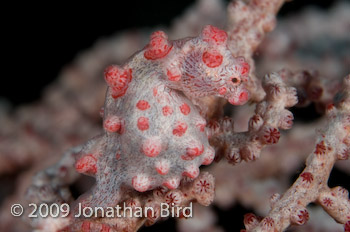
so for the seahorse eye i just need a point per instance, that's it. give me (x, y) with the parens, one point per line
(236, 80)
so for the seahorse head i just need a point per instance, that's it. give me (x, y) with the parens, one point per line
(209, 68)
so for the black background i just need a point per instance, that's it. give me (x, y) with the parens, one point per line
(38, 40)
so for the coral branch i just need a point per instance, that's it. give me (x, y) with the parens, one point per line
(51, 186)
(247, 24)
(270, 115)
(312, 87)
(200, 190)
(311, 186)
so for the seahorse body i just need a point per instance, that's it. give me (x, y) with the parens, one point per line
(155, 131)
